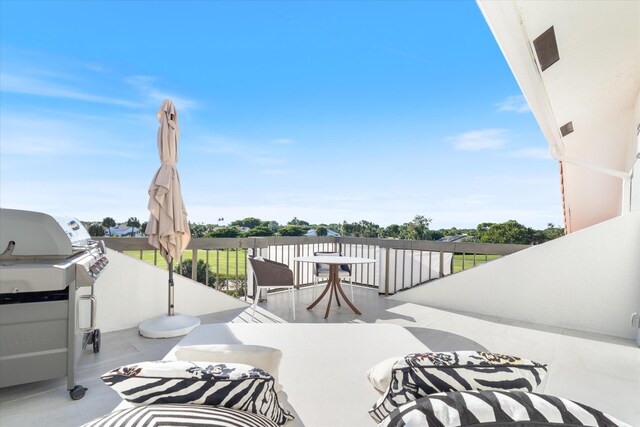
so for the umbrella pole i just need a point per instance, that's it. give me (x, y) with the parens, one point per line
(171, 288)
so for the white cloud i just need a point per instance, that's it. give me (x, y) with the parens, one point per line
(144, 85)
(514, 103)
(477, 140)
(531, 153)
(277, 171)
(119, 199)
(494, 199)
(248, 152)
(58, 136)
(216, 144)
(522, 201)
(39, 87)
(266, 161)
(46, 75)
(465, 202)
(282, 141)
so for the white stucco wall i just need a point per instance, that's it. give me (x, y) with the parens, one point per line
(130, 291)
(588, 280)
(635, 178)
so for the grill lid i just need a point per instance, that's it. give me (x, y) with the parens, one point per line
(35, 234)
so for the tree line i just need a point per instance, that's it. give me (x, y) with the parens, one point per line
(417, 229)
(100, 228)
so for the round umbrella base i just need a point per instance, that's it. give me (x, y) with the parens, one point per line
(166, 326)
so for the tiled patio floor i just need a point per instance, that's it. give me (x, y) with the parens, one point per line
(579, 364)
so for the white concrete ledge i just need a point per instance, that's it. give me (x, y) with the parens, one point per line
(587, 281)
(130, 291)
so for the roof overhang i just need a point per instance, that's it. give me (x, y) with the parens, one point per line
(586, 99)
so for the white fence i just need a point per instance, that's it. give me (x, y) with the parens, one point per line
(394, 269)
(400, 264)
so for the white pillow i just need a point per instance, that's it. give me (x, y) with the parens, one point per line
(232, 385)
(421, 374)
(265, 358)
(380, 375)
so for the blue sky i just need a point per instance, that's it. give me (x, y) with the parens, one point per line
(324, 111)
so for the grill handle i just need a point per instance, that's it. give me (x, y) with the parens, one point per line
(94, 307)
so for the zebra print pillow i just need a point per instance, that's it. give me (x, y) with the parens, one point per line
(181, 415)
(420, 374)
(231, 385)
(496, 408)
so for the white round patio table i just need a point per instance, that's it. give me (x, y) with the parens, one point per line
(333, 285)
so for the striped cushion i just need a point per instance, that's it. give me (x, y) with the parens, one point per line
(420, 374)
(496, 408)
(265, 358)
(231, 385)
(180, 415)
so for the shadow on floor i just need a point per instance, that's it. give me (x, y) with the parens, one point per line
(438, 340)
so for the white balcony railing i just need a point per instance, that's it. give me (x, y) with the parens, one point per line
(401, 264)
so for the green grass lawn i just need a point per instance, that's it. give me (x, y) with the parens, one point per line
(468, 261)
(218, 260)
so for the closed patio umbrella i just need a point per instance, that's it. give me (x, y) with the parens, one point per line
(168, 229)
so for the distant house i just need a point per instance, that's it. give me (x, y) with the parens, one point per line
(123, 230)
(453, 238)
(330, 233)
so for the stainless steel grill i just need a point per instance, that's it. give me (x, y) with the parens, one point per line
(48, 267)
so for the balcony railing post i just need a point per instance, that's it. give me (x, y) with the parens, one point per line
(217, 267)
(404, 264)
(411, 280)
(387, 264)
(361, 254)
(206, 263)
(226, 278)
(395, 270)
(451, 265)
(297, 264)
(237, 266)
(194, 264)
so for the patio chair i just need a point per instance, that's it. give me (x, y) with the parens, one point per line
(322, 271)
(271, 274)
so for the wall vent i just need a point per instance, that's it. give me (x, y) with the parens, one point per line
(546, 49)
(566, 129)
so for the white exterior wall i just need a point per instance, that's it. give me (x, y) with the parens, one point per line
(588, 280)
(635, 178)
(130, 291)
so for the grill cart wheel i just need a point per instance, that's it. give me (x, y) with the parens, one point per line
(96, 341)
(77, 392)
